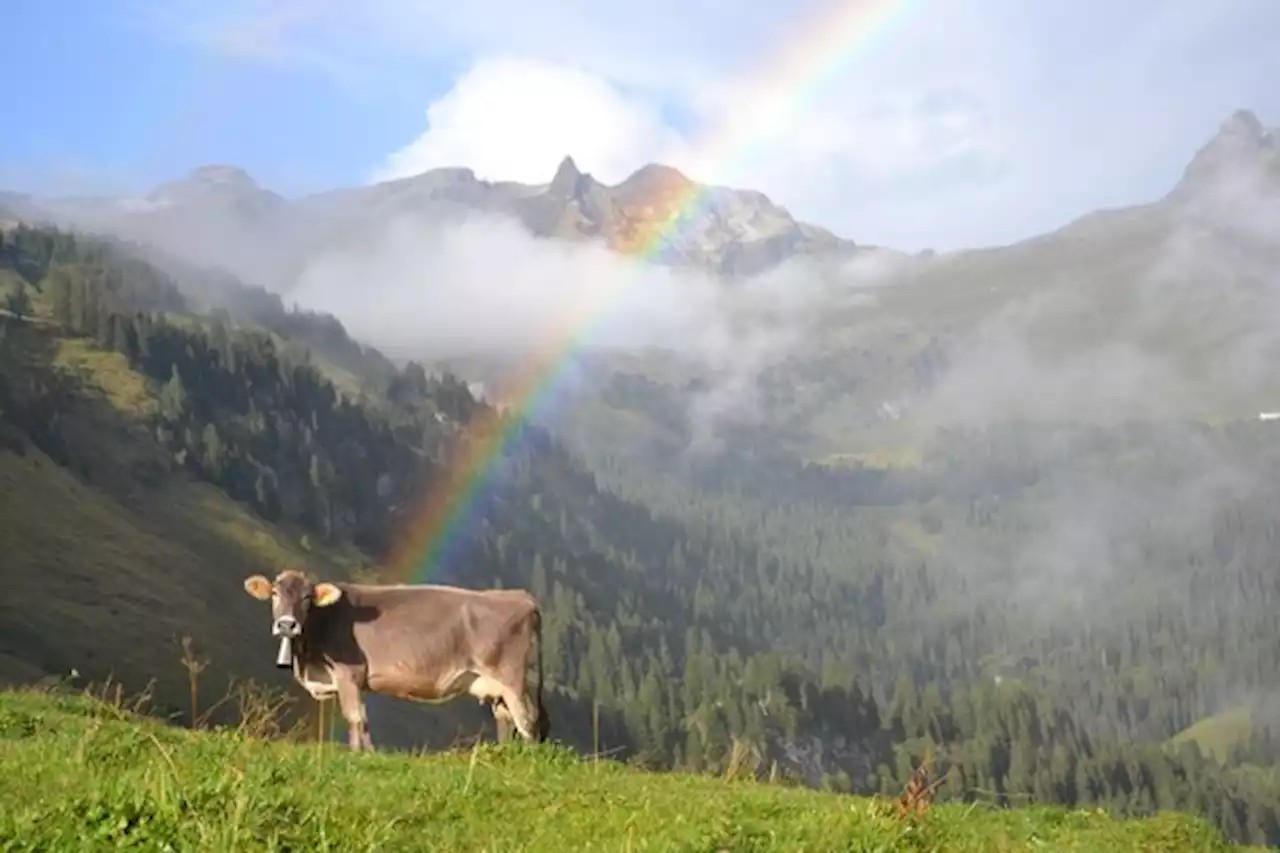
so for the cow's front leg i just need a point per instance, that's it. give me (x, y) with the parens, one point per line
(353, 711)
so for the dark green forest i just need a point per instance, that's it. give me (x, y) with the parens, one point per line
(1039, 611)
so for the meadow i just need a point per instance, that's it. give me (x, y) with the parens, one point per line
(85, 771)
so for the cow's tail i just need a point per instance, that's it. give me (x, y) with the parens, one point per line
(543, 725)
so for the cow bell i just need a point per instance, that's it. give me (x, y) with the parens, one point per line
(284, 656)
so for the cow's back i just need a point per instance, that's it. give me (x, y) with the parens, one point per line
(424, 632)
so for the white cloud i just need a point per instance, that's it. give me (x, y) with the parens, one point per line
(484, 286)
(514, 119)
(958, 122)
(548, 111)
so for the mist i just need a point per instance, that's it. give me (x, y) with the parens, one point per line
(1105, 387)
(484, 286)
(1173, 312)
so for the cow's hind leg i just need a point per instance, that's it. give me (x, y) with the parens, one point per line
(502, 719)
(522, 713)
(351, 703)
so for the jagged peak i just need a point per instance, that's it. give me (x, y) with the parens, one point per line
(1241, 142)
(566, 179)
(1241, 133)
(567, 168)
(1244, 123)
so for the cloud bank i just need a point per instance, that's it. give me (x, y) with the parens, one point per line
(485, 287)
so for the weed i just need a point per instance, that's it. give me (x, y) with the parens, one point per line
(194, 665)
(918, 794)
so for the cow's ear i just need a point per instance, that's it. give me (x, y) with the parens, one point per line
(326, 594)
(258, 586)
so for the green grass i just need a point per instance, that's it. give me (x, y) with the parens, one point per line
(1218, 734)
(108, 373)
(80, 774)
(878, 459)
(109, 589)
(10, 282)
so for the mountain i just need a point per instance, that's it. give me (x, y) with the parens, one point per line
(730, 232)
(1166, 309)
(1173, 301)
(218, 215)
(1242, 155)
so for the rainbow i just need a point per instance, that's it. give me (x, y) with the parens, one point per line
(438, 527)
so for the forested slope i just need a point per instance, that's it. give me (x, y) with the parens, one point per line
(844, 623)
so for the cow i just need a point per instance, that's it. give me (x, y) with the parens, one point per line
(424, 643)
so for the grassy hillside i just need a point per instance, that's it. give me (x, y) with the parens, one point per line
(126, 781)
(1219, 734)
(111, 560)
(113, 551)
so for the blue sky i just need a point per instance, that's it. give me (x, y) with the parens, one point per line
(115, 106)
(966, 122)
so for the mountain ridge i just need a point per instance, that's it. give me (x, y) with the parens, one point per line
(218, 213)
(574, 204)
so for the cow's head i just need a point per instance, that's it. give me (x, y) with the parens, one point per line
(292, 596)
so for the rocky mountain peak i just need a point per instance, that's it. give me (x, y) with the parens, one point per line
(1244, 122)
(218, 174)
(567, 178)
(216, 183)
(652, 181)
(1242, 149)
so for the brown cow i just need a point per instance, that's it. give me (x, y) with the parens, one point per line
(425, 643)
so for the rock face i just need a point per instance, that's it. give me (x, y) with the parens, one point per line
(573, 206)
(665, 214)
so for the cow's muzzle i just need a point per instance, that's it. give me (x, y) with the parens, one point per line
(287, 629)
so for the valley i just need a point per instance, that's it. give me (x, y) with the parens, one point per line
(1009, 508)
